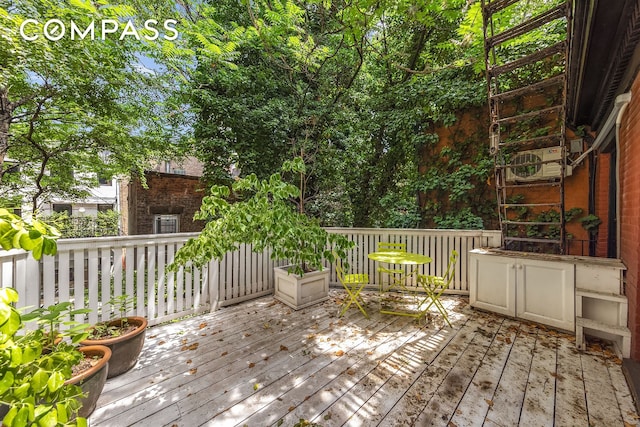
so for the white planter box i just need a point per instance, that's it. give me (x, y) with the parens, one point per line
(301, 291)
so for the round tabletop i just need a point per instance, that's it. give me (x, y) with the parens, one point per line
(399, 257)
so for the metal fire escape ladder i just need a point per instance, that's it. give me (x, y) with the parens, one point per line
(527, 135)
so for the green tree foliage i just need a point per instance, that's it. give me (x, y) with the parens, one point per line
(74, 108)
(102, 224)
(357, 89)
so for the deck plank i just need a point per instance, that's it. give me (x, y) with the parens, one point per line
(475, 404)
(602, 405)
(440, 408)
(509, 395)
(539, 398)
(321, 351)
(261, 363)
(571, 406)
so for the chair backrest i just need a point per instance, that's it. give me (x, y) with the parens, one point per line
(339, 271)
(450, 273)
(389, 246)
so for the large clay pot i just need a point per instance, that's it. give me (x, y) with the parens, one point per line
(126, 348)
(92, 380)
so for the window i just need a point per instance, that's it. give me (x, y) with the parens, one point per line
(104, 207)
(166, 224)
(59, 207)
(104, 180)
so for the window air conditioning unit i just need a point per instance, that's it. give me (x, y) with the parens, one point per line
(528, 166)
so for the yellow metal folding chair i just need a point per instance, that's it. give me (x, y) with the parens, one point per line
(353, 284)
(435, 286)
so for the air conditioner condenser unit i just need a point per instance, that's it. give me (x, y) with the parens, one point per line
(530, 165)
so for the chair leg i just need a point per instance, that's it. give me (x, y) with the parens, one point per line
(354, 294)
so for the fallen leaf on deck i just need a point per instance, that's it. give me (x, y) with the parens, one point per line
(246, 335)
(489, 402)
(152, 336)
(188, 361)
(339, 353)
(183, 341)
(256, 386)
(203, 325)
(283, 348)
(224, 354)
(161, 342)
(626, 424)
(307, 398)
(190, 347)
(193, 371)
(292, 408)
(507, 340)
(251, 365)
(351, 372)
(452, 424)
(265, 358)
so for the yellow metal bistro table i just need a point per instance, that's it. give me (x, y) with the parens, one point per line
(398, 277)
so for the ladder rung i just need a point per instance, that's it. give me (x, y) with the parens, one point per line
(534, 57)
(512, 119)
(517, 165)
(532, 240)
(527, 205)
(537, 184)
(496, 6)
(557, 137)
(533, 23)
(530, 88)
(509, 222)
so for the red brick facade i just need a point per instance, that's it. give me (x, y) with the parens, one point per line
(167, 194)
(629, 158)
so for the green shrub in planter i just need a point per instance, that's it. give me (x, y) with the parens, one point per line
(32, 388)
(262, 213)
(32, 382)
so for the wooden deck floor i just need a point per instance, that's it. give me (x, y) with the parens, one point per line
(260, 363)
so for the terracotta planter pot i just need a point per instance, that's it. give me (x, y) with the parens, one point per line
(92, 380)
(126, 348)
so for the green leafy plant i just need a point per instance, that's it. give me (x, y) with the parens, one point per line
(32, 383)
(590, 223)
(114, 328)
(262, 213)
(38, 237)
(51, 318)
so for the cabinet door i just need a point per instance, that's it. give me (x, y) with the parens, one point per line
(492, 283)
(545, 293)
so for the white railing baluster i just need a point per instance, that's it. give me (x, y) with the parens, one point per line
(161, 283)
(49, 281)
(105, 260)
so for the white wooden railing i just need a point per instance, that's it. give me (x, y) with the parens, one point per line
(92, 271)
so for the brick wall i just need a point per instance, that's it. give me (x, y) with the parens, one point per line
(630, 209)
(167, 194)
